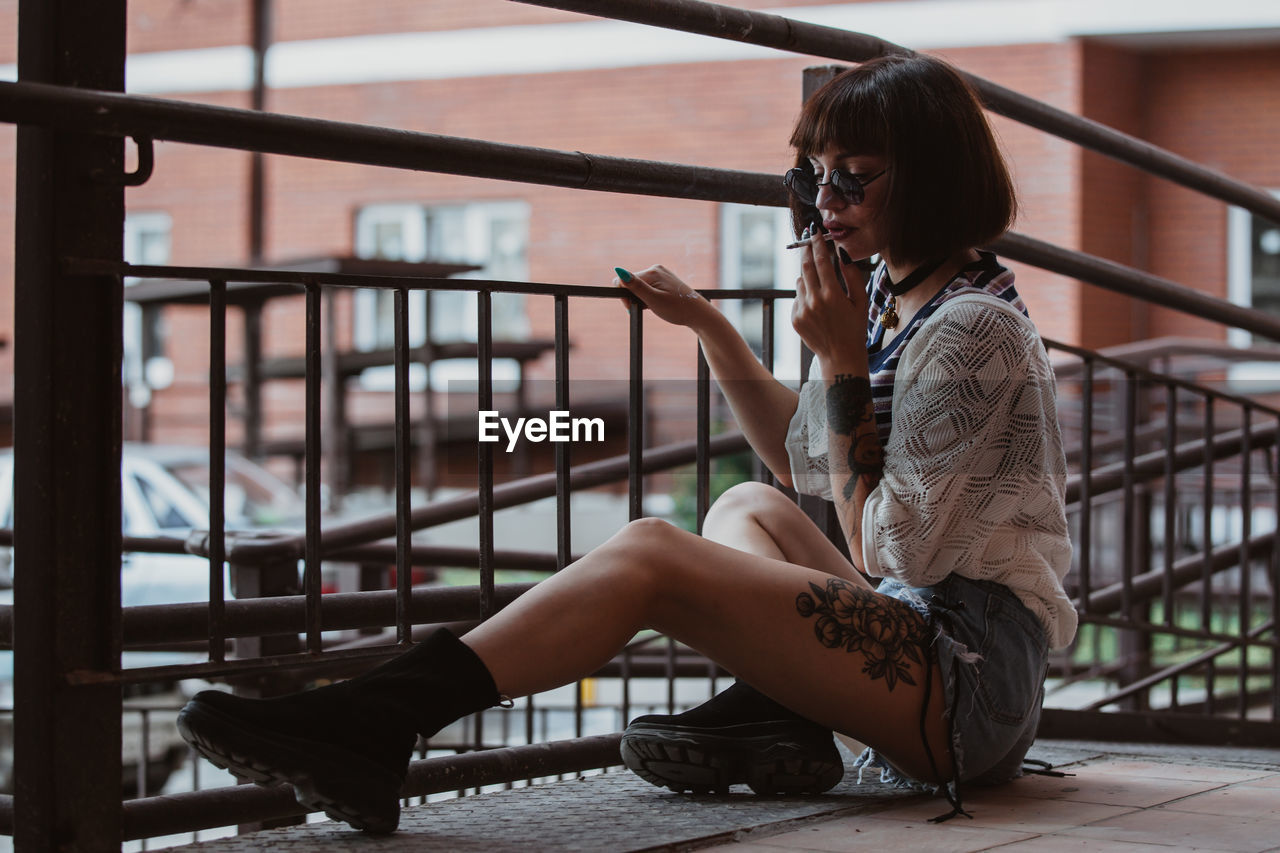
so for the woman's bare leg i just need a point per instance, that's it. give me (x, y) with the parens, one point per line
(759, 519)
(784, 628)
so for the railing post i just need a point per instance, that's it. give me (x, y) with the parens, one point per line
(264, 581)
(67, 380)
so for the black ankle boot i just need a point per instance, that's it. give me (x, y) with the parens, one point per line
(738, 736)
(345, 748)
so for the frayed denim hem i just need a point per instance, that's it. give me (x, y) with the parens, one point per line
(968, 618)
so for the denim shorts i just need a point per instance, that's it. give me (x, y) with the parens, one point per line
(992, 653)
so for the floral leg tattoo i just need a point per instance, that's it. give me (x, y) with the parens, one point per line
(851, 412)
(890, 637)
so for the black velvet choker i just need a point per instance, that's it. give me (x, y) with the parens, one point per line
(889, 316)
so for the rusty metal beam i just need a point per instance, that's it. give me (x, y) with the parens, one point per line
(348, 142)
(775, 31)
(67, 437)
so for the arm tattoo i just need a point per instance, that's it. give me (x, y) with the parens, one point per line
(851, 411)
(888, 634)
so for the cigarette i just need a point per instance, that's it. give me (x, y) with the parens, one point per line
(800, 243)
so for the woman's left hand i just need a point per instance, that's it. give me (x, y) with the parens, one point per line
(830, 321)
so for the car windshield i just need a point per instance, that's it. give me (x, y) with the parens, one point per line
(253, 498)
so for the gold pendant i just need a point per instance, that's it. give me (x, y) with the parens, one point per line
(889, 316)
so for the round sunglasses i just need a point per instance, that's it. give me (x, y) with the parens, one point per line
(803, 184)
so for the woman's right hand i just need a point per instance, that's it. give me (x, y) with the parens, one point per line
(666, 295)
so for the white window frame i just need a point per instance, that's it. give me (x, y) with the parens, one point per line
(1260, 375)
(414, 234)
(141, 378)
(786, 268)
(468, 244)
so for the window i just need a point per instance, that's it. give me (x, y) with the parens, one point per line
(163, 510)
(752, 256)
(492, 235)
(1253, 279)
(147, 240)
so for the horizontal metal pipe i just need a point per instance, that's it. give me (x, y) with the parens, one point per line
(1150, 585)
(347, 142)
(1173, 670)
(1019, 247)
(287, 277)
(1135, 283)
(263, 548)
(149, 817)
(1188, 455)
(776, 31)
(452, 555)
(253, 617)
(151, 625)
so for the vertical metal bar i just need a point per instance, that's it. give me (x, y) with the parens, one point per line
(625, 672)
(1206, 570)
(217, 467)
(67, 439)
(404, 569)
(144, 758)
(311, 552)
(253, 379)
(671, 675)
(767, 332)
(635, 415)
(1130, 503)
(1086, 483)
(1170, 498)
(1273, 565)
(564, 542)
(702, 441)
(1245, 612)
(428, 475)
(484, 315)
(563, 531)
(334, 408)
(768, 341)
(261, 35)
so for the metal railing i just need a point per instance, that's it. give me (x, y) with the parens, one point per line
(1173, 499)
(1134, 451)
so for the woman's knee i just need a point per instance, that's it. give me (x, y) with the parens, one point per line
(747, 500)
(645, 539)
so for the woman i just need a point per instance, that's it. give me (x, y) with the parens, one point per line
(937, 440)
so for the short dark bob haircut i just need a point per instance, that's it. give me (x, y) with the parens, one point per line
(948, 186)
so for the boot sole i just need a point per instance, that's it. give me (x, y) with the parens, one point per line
(344, 785)
(700, 762)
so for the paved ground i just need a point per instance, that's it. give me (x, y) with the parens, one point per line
(1123, 797)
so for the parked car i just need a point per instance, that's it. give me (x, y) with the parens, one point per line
(164, 493)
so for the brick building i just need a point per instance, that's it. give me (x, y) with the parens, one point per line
(1202, 80)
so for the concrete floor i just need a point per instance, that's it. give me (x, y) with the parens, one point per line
(1121, 797)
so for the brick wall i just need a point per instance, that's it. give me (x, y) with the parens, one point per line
(1220, 108)
(1111, 202)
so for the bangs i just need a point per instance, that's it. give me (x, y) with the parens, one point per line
(846, 114)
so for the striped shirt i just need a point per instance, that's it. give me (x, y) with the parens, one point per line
(985, 275)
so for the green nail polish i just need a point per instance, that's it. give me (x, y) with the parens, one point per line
(623, 274)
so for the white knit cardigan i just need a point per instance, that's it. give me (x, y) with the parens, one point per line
(974, 477)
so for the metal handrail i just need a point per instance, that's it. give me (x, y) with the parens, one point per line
(227, 127)
(776, 31)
